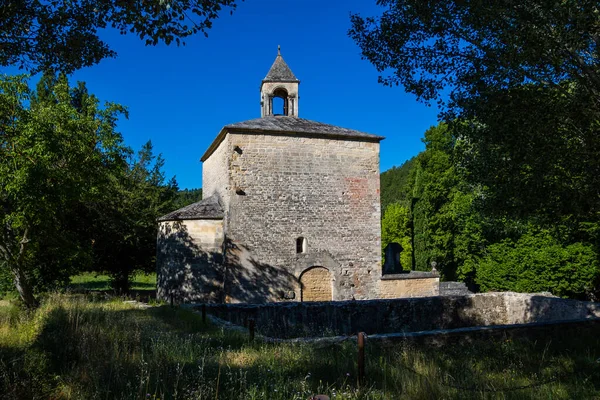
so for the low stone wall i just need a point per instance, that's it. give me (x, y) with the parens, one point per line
(411, 284)
(287, 320)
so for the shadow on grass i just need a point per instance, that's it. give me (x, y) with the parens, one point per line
(102, 350)
(92, 285)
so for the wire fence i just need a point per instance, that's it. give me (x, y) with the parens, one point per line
(329, 342)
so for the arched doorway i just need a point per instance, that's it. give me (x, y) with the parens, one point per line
(315, 284)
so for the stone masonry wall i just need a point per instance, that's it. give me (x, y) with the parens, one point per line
(215, 177)
(404, 315)
(189, 261)
(393, 287)
(316, 285)
(324, 190)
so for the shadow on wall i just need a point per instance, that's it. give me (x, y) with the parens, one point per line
(250, 281)
(286, 320)
(185, 271)
(540, 308)
(188, 273)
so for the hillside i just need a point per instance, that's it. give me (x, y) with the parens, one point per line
(394, 182)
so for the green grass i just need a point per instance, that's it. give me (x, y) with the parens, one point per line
(93, 281)
(78, 347)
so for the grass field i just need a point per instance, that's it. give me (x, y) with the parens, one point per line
(79, 347)
(93, 281)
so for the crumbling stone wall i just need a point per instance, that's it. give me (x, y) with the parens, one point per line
(404, 315)
(189, 261)
(282, 187)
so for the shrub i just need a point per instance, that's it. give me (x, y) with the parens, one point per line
(537, 262)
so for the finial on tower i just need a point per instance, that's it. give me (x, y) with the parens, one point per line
(278, 49)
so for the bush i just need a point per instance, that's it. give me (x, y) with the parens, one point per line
(537, 262)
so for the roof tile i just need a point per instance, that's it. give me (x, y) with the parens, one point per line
(209, 208)
(286, 124)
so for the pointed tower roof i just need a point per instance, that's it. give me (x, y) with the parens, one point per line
(280, 71)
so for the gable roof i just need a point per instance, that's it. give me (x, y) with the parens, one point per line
(286, 125)
(280, 72)
(209, 208)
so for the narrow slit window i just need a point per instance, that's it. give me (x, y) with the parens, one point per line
(300, 245)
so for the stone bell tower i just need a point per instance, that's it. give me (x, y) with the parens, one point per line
(279, 82)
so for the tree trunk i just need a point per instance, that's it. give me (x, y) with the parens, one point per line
(121, 282)
(24, 288)
(16, 267)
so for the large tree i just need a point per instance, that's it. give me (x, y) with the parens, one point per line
(58, 150)
(64, 35)
(446, 227)
(73, 197)
(519, 81)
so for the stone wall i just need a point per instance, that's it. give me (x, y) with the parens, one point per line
(413, 284)
(189, 261)
(215, 176)
(325, 190)
(404, 315)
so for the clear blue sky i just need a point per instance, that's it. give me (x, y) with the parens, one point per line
(180, 97)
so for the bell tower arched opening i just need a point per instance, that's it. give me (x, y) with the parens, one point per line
(280, 102)
(279, 90)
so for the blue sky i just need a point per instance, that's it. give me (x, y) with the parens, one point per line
(180, 97)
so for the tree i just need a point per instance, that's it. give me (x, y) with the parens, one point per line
(58, 149)
(124, 219)
(447, 229)
(393, 184)
(63, 35)
(396, 228)
(186, 197)
(518, 81)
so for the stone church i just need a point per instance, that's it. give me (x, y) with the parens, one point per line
(290, 211)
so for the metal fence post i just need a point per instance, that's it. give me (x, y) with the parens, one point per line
(361, 357)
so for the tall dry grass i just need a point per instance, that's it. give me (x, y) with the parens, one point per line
(80, 347)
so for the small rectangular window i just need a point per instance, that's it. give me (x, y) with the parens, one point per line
(300, 245)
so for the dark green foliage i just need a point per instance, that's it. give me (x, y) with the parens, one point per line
(186, 197)
(447, 229)
(72, 196)
(492, 253)
(518, 84)
(64, 36)
(471, 50)
(393, 184)
(553, 151)
(396, 228)
(58, 149)
(123, 221)
(537, 262)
